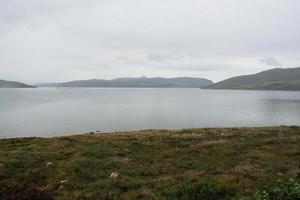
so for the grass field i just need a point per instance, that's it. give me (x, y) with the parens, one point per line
(217, 163)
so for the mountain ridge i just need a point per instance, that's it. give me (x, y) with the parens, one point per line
(273, 79)
(14, 84)
(180, 82)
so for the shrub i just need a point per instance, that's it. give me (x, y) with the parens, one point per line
(203, 189)
(283, 188)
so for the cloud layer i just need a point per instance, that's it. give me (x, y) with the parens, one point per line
(271, 62)
(58, 40)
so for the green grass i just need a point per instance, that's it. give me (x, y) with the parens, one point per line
(220, 163)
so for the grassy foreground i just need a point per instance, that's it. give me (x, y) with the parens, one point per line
(217, 163)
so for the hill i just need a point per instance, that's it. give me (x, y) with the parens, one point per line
(274, 79)
(14, 84)
(179, 82)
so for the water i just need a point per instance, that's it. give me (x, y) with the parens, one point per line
(50, 112)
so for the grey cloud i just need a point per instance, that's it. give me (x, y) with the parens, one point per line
(128, 61)
(271, 62)
(164, 57)
(194, 55)
(204, 67)
(157, 57)
(136, 63)
(122, 58)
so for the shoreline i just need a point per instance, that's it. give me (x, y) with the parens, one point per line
(74, 134)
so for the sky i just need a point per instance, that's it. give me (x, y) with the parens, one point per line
(63, 40)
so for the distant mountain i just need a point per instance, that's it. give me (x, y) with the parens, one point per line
(14, 84)
(180, 82)
(274, 79)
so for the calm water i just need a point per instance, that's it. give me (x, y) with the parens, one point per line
(52, 112)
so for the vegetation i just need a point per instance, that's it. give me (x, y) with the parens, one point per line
(220, 163)
(274, 79)
(282, 189)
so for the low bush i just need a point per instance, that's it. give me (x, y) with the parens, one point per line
(283, 188)
(203, 189)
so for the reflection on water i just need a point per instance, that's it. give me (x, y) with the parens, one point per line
(51, 112)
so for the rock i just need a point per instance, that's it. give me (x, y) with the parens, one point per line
(64, 181)
(114, 175)
(50, 164)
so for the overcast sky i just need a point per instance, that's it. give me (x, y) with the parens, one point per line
(62, 40)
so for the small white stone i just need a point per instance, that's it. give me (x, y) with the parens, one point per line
(64, 181)
(114, 175)
(49, 164)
